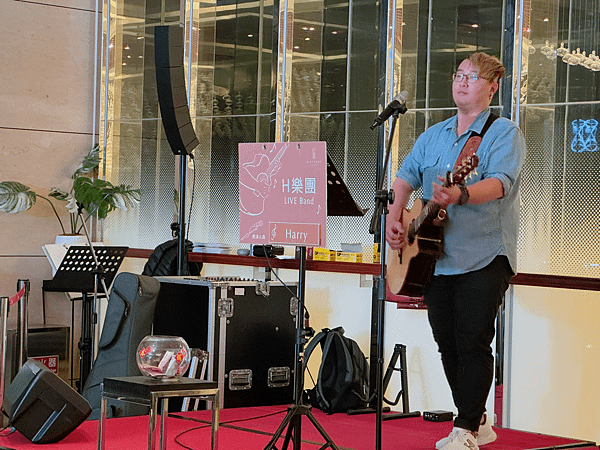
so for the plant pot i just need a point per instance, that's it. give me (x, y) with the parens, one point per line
(71, 239)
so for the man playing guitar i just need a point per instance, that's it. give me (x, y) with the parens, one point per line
(479, 239)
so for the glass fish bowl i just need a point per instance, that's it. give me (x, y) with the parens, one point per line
(163, 357)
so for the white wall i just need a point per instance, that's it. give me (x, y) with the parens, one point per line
(553, 360)
(46, 127)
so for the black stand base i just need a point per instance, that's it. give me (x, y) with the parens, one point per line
(399, 353)
(356, 412)
(401, 415)
(293, 421)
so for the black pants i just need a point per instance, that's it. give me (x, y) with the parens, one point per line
(462, 313)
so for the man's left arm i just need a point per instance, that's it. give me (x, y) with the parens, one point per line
(503, 165)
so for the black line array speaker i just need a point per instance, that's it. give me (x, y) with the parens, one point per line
(170, 84)
(41, 406)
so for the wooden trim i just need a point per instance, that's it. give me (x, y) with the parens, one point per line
(256, 261)
(556, 281)
(521, 279)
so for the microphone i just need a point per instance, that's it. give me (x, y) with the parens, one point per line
(397, 105)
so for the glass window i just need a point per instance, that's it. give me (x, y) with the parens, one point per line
(255, 73)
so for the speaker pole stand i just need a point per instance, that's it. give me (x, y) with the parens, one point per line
(170, 77)
(293, 418)
(181, 229)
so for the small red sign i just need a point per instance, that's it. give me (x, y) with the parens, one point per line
(51, 362)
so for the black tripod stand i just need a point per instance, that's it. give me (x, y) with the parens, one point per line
(293, 418)
(339, 203)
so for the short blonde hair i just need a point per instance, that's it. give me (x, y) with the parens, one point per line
(489, 66)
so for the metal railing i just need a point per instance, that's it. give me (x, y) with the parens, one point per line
(22, 297)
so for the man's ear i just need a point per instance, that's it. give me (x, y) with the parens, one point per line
(494, 89)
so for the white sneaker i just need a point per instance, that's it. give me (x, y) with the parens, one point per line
(484, 435)
(460, 439)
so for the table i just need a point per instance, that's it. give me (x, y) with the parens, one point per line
(152, 392)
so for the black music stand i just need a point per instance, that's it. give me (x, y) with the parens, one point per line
(339, 199)
(78, 272)
(339, 203)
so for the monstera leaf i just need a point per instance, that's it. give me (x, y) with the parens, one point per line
(101, 197)
(90, 162)
(15, 197)
(94, 196)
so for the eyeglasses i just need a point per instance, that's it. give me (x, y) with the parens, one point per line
(471, 77)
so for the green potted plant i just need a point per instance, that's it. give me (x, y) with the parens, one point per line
(97, 197)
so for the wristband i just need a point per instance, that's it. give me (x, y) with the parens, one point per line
(464, 195)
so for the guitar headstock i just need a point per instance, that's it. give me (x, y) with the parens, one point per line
(468, 165)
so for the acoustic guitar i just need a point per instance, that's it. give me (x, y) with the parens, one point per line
(409, 268)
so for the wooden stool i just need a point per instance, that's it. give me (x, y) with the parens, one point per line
(149, 391)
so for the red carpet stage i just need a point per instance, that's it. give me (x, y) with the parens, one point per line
(252, 428)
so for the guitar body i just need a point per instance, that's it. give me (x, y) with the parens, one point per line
(409, 269)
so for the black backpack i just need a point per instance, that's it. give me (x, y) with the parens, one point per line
(163, 260)
(343, 381)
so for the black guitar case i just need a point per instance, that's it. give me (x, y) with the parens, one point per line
(128, 320)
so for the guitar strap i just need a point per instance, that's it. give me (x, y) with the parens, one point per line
(473, 142)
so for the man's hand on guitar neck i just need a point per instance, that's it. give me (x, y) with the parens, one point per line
(481, 192)
(445, 196)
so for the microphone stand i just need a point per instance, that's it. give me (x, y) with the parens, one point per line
(377, 228)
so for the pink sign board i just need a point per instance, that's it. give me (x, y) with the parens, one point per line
(283, 193)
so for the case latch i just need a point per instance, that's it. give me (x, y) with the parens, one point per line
(278, 377)
(225, 307)
(240, 379)
(294, 305)
(263, 288)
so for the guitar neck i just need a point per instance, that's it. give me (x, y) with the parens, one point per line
(433, 210)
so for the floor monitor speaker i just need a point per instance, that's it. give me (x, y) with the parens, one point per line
(170, 84)
(41, 406)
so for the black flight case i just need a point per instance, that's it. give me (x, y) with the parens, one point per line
(248, 327)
